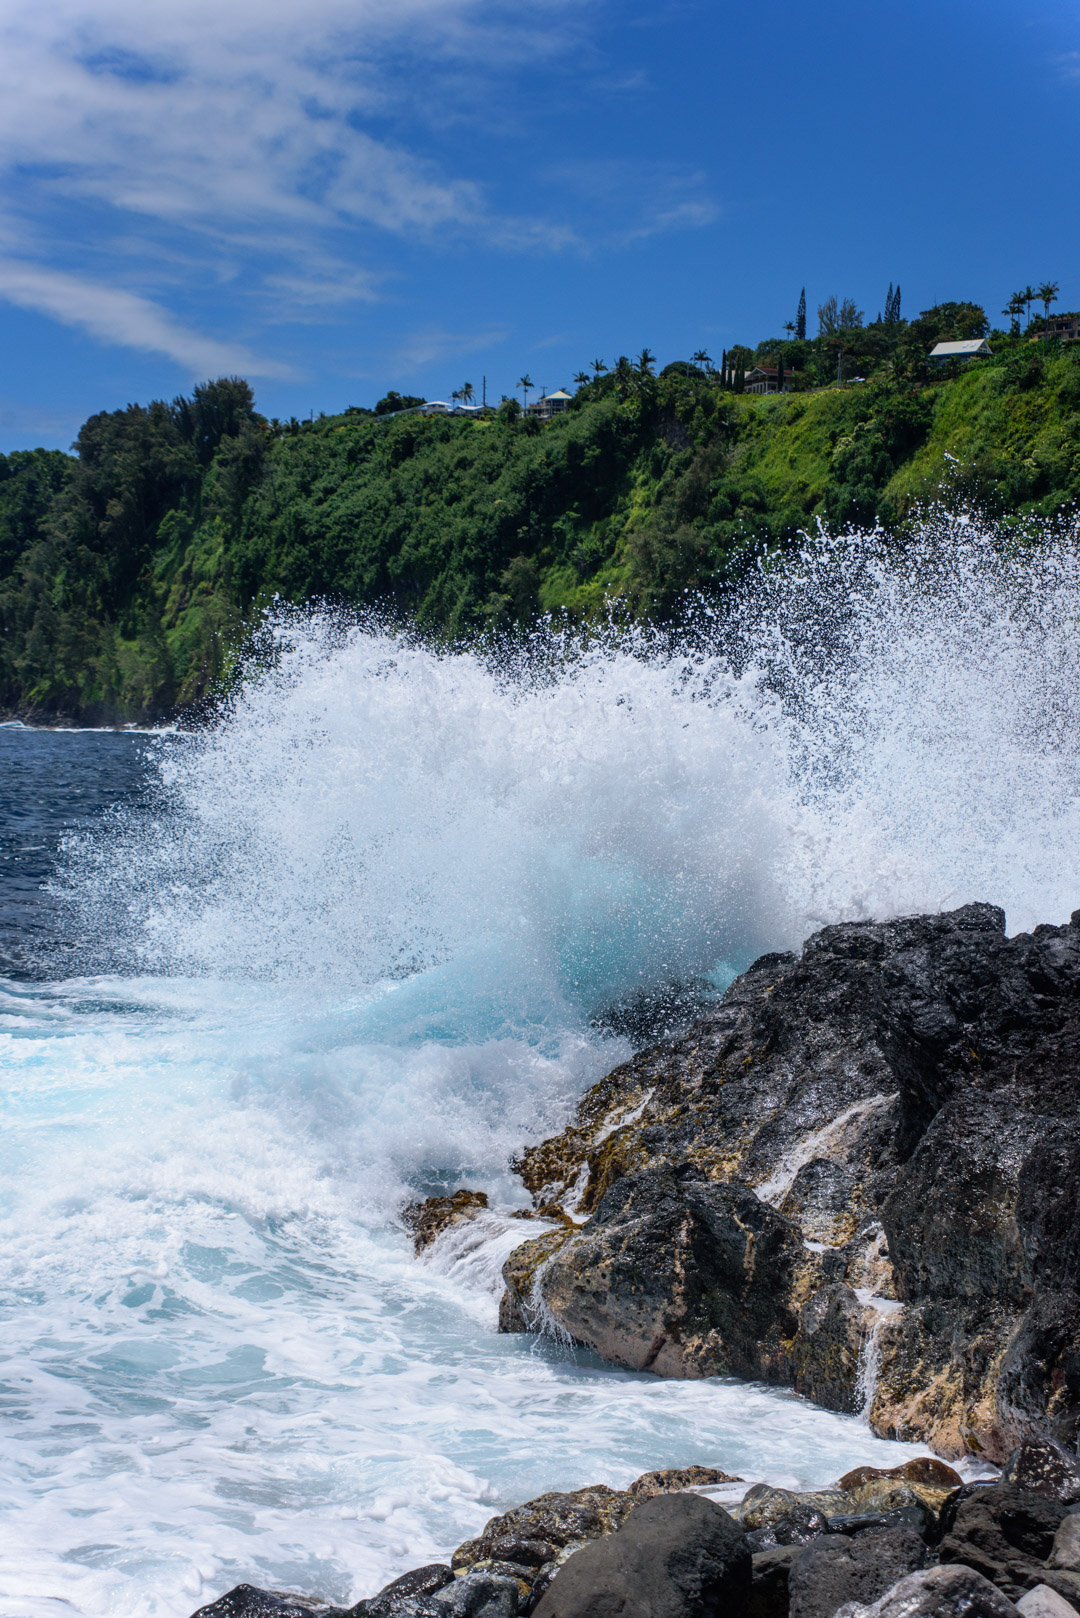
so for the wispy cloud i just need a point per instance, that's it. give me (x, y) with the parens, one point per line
(423, 348)
(115, 316)
(235, 133)
(630, 201)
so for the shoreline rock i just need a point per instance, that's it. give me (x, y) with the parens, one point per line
(662, 1547)
(855, 1176)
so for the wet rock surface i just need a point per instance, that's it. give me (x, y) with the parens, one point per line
(431, 1218)
(248, 1601)
(855, 1175)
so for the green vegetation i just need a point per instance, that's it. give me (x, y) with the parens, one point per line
(130, 572)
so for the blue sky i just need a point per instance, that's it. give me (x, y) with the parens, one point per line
(336, 197)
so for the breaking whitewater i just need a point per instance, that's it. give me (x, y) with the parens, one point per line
(374, 929)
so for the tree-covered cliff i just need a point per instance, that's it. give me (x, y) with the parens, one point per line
(129, 571)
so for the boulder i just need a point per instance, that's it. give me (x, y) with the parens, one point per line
(762, 1505)
(248, 1601)
(771, 1573)
(938, 1592)
(795, 1527)
(1042, 1602)
(536, 1532)
(675, 1556)
(900, 1101)
(1006, 1534)
(478, 1595)
(403, 1597)
(835, 1569)
(1066, 1548)
(1041, 1466)
(670, 1479)
(925, 1470)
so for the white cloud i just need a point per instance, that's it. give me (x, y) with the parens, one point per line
(234, 114)
(115, 316)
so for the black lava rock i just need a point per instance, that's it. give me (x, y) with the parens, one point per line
(676, 1556)
(835, 1569)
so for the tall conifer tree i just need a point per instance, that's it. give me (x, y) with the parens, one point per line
(800, 318)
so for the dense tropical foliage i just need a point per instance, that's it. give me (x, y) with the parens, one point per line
(130, 572)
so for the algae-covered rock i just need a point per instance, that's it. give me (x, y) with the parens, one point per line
(429, 1219)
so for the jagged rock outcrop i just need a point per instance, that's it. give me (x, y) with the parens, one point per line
(856, 1175)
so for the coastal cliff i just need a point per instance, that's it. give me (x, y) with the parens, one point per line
(855, 1175)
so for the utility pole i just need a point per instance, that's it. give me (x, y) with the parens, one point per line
(483, 391)
(840, 365)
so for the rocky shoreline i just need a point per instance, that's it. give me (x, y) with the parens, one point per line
(914, 1540)
(855, 1176)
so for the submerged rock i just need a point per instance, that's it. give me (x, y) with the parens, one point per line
(428, 1220)
(855, 1175)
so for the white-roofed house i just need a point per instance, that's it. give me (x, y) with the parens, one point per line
(550, 404)
(973, 348)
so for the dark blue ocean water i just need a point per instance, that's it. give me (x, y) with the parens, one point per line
(53, 782)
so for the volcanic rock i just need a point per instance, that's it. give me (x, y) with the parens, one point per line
(1006, 1534)
(429, 1219)
(676, 1556)
(1066, 1548)
(248, 1601)
(771, 1575)
(835, 1569)
(938, 1592)
(855, 1175)
(1043, 1467)
(1042, 1602)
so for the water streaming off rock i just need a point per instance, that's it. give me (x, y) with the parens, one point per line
(366, 935)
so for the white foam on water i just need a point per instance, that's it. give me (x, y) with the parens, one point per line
(353, 949)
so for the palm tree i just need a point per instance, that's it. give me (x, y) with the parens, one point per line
(789, 327)
(526, 384)
(581, 379)
(1029, 295)
(624, 375)
(701, 358)
(456, 395)
(468, 393)
(647, 359)
(1047, 294)
(599, 367)
(1013, 308)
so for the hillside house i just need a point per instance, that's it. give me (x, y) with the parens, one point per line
(1066, 327)
(766, 379)
(549, 404)
(973, 348)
